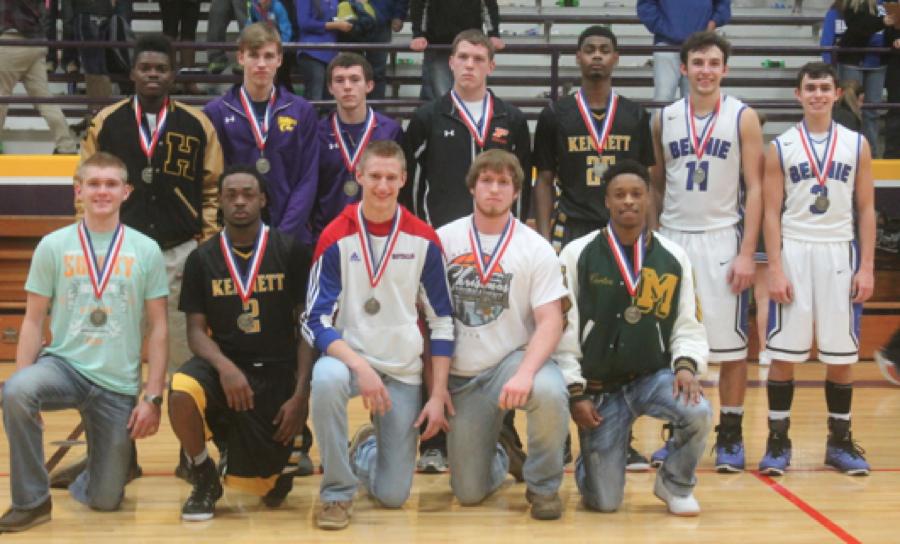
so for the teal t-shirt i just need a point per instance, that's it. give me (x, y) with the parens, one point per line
(108, 354)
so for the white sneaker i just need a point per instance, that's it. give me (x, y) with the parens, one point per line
(679, 506)
(432, 461)
(764, 358)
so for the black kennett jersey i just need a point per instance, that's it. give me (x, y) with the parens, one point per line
(562, 144)
(263, 329)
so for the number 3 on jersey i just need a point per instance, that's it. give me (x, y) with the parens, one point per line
(691, 181)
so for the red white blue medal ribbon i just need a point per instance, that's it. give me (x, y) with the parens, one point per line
(479, 131)
(375, 269)
(260, 132)
(632, 277)
(820, 170)
(148, 142)
(244, 283)
(351, 156)
(700, 147)
(612, 104)
(485, 273)
(100, 275)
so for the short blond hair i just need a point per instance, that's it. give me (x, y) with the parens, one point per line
(386, 149)
(101, 159)
(496, 160)
(257, 35)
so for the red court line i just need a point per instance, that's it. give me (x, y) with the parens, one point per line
(807, 509)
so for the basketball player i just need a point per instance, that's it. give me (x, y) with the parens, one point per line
(703, 143)
(372, 266)
(97, 278)
(242, 292)
(344, 135)
(818, 182)
(507, 291)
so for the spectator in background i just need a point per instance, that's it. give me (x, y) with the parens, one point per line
(437, 22)
(69, 54)
(671, 22)
(25, 19)
(847, 110)
(179, 22)
(892, 84)
(274, 13)
(833, 28)
(866, 21)
(221, 13)
(315, 19)
(389, 16)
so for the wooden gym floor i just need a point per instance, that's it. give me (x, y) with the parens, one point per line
(810, 504)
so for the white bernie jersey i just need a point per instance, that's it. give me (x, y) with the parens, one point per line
(713, 202)
(801, 220)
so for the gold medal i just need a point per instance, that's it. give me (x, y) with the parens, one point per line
(245, 322)
(263, 166)
(632, 314)
(821, 204)
(147, 174)
(351, 188)
(98, 317)
(372, 306)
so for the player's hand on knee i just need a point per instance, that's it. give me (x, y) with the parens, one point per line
(290, 419)
(374, 394)
(434, 413)
(237, 389)
(687, 385)
(585, 414)
(741, 274)
(863, 286)
(515, 392)
(144, 420)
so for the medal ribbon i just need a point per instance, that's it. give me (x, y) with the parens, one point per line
(351, 160)
(700, 147)
(100, 276)
(632, 278)
(260, 133)
(375, 270)
(148, 143)
(496, 255)
(612, 104)
(478, 130)
(819, 170)
(244, 283)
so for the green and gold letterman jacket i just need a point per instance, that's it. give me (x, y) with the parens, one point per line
(611, 351)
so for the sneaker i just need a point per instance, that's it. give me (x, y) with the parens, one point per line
(16, 520)
(362, 435)
(729, 444)
(888, 367)
(305, 465)
(680, 506)
(277, 494)
(659, 456)
(183, 470)
(217, 66)
(635, 462)
(334, 515)
(514, 453)
(201, 504)
(778, 449)
(844, 453)
(544, 507)
(432, 461)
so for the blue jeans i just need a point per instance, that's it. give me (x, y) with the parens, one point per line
(386, 462)
(52, 384)
(667, 76)
(600, 469)
(478, 465)
(872, 81)
(312, 70)
(437, 79)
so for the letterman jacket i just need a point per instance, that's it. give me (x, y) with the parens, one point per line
(439, 150)
(339, 287)
(333, 196)
(291, 147)
(182, 200)
(611, 350)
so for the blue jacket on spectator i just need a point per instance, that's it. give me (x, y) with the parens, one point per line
(292, 148)
(276, 15)
(311, 18)
(386, 10)
(833, 27)
(672, 21)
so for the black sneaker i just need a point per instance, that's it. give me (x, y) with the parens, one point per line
(634, 461)
(277, 494)
(183, 470)
(201, 505)
(513, 452)
(778, 449)
(16, 520)
(729, 444)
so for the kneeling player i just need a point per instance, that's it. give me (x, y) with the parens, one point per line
(818, 177)
(245, 286)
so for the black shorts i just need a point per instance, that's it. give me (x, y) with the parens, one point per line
(564, 229)
(255, 460)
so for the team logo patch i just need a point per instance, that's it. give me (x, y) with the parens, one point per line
(286, 124)
(500, 136)
(354, 257)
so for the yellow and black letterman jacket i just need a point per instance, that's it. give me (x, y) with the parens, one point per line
(612, 351)
(181, 202)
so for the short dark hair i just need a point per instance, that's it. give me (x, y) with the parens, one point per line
(496, 160)
(598, 30)
(154, 43)
(817, 70)
(349, 59)
(474, 37)
(245, 169)
(626, 166)
(698, 41)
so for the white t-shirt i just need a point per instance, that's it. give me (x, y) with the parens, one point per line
(494, 319)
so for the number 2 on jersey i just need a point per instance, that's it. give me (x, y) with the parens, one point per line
(691, 168)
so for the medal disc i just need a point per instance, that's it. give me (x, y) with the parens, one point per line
(263, 165)
(632, 315)
(98, 317)
(245, 322)
(147, 174)
(351, 188)
(821, 203)
(600, 168)
(699, 176)
(372, 306)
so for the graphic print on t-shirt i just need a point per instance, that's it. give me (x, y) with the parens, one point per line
(477, 304)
